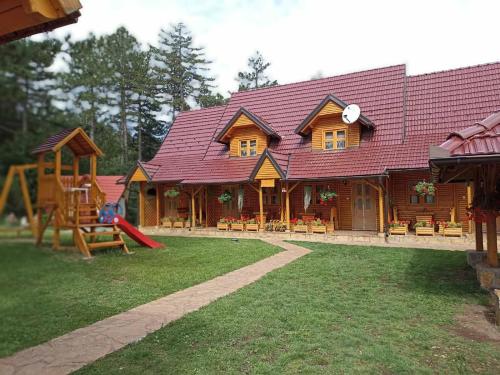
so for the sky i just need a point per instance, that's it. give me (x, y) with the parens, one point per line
(306, 38)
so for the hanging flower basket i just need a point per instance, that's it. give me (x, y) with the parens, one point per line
(326, 197)
(225, 197)
(424, 188)
(172, 193)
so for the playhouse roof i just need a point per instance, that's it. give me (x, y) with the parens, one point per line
(407, 114)
(75, 138)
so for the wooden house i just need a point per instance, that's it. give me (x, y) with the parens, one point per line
(276, 151)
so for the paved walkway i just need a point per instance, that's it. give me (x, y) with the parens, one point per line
(76, 349)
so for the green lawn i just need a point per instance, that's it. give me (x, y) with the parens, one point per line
(340, 309)
(44, 294)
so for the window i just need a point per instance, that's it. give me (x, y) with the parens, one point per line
(328, 140)
(335, 139)
(416, 199)
(248, 148)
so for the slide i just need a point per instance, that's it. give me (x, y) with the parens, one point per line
(135, 234)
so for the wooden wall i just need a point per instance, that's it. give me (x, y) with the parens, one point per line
(267, 171)
(334, 123)
(447, 196)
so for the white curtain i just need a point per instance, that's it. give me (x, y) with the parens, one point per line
(241, 193)
(307, 197)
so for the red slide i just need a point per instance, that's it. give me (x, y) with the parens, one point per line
(135, 234)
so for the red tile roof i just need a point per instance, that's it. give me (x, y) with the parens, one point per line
(110, 186)
(480, 139)
(409, 113)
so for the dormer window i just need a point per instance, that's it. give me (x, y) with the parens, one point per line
(248, 147)
(334, 140)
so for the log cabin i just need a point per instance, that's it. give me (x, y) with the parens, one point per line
(275, 150)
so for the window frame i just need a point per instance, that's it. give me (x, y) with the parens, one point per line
(335, 138)
(247, 142)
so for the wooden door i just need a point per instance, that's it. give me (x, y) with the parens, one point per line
(364, 215)
(230, 209)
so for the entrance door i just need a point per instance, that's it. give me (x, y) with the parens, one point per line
(364, 215)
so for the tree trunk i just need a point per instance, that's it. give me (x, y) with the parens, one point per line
(139, 133)
(123, 127)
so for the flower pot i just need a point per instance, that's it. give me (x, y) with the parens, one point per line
(300, 228)
(238, 226)
(178, 224)
(223, 226)
(424, 231)
(318, 228)
(166, 224)
(252, 227)
(452, 232)
(401, 229)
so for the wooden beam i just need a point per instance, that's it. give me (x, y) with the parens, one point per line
(261, 207)
(6, 188)
(158, 193)
(287, 204)
(206, 207)
(469, 203)
(253, 187)
(200, 208)
(491, 235)
(381, 210)
(193, 209)
(141, 203)
(280, 196)
(27, 201)
(76, 169)
(293, 187)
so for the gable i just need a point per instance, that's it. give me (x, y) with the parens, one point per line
(267, 171)
(138, 176)
(247, 133)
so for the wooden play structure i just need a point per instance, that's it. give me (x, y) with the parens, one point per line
(20, 171)
(65, 200)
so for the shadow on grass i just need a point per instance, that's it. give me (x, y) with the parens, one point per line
(440, 272)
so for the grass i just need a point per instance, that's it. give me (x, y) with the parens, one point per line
(45, 294)
(340, 309)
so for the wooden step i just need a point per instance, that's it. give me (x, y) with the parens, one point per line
(95, 225)
(100, 245)
(89, 217)
(104, 233)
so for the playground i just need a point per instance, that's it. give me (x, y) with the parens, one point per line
(66, 200)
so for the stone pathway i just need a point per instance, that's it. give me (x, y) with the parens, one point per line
(76, 349)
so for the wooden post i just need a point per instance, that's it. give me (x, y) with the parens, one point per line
(478, 234)
(287, 204)
(141, 204)
(193, 209)
(93, 175)
(76, 171)
(261, 206)
(158, 194)
(206, 207)
(56, 239)
(27, 201)
(469, 203)
(281, 202)
(381, 210)
(200, 207)
(491, 236)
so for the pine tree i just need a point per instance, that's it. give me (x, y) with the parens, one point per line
(207, 98)
(256, 77)
(84, 80)
(123, 55)
(180, 67)
(26, 78)
(149, 129)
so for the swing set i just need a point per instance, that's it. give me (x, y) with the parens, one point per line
(20, 171)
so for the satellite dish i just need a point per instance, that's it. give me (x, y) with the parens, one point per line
(351, 113)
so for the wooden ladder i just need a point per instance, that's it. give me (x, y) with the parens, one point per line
(91, 235)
